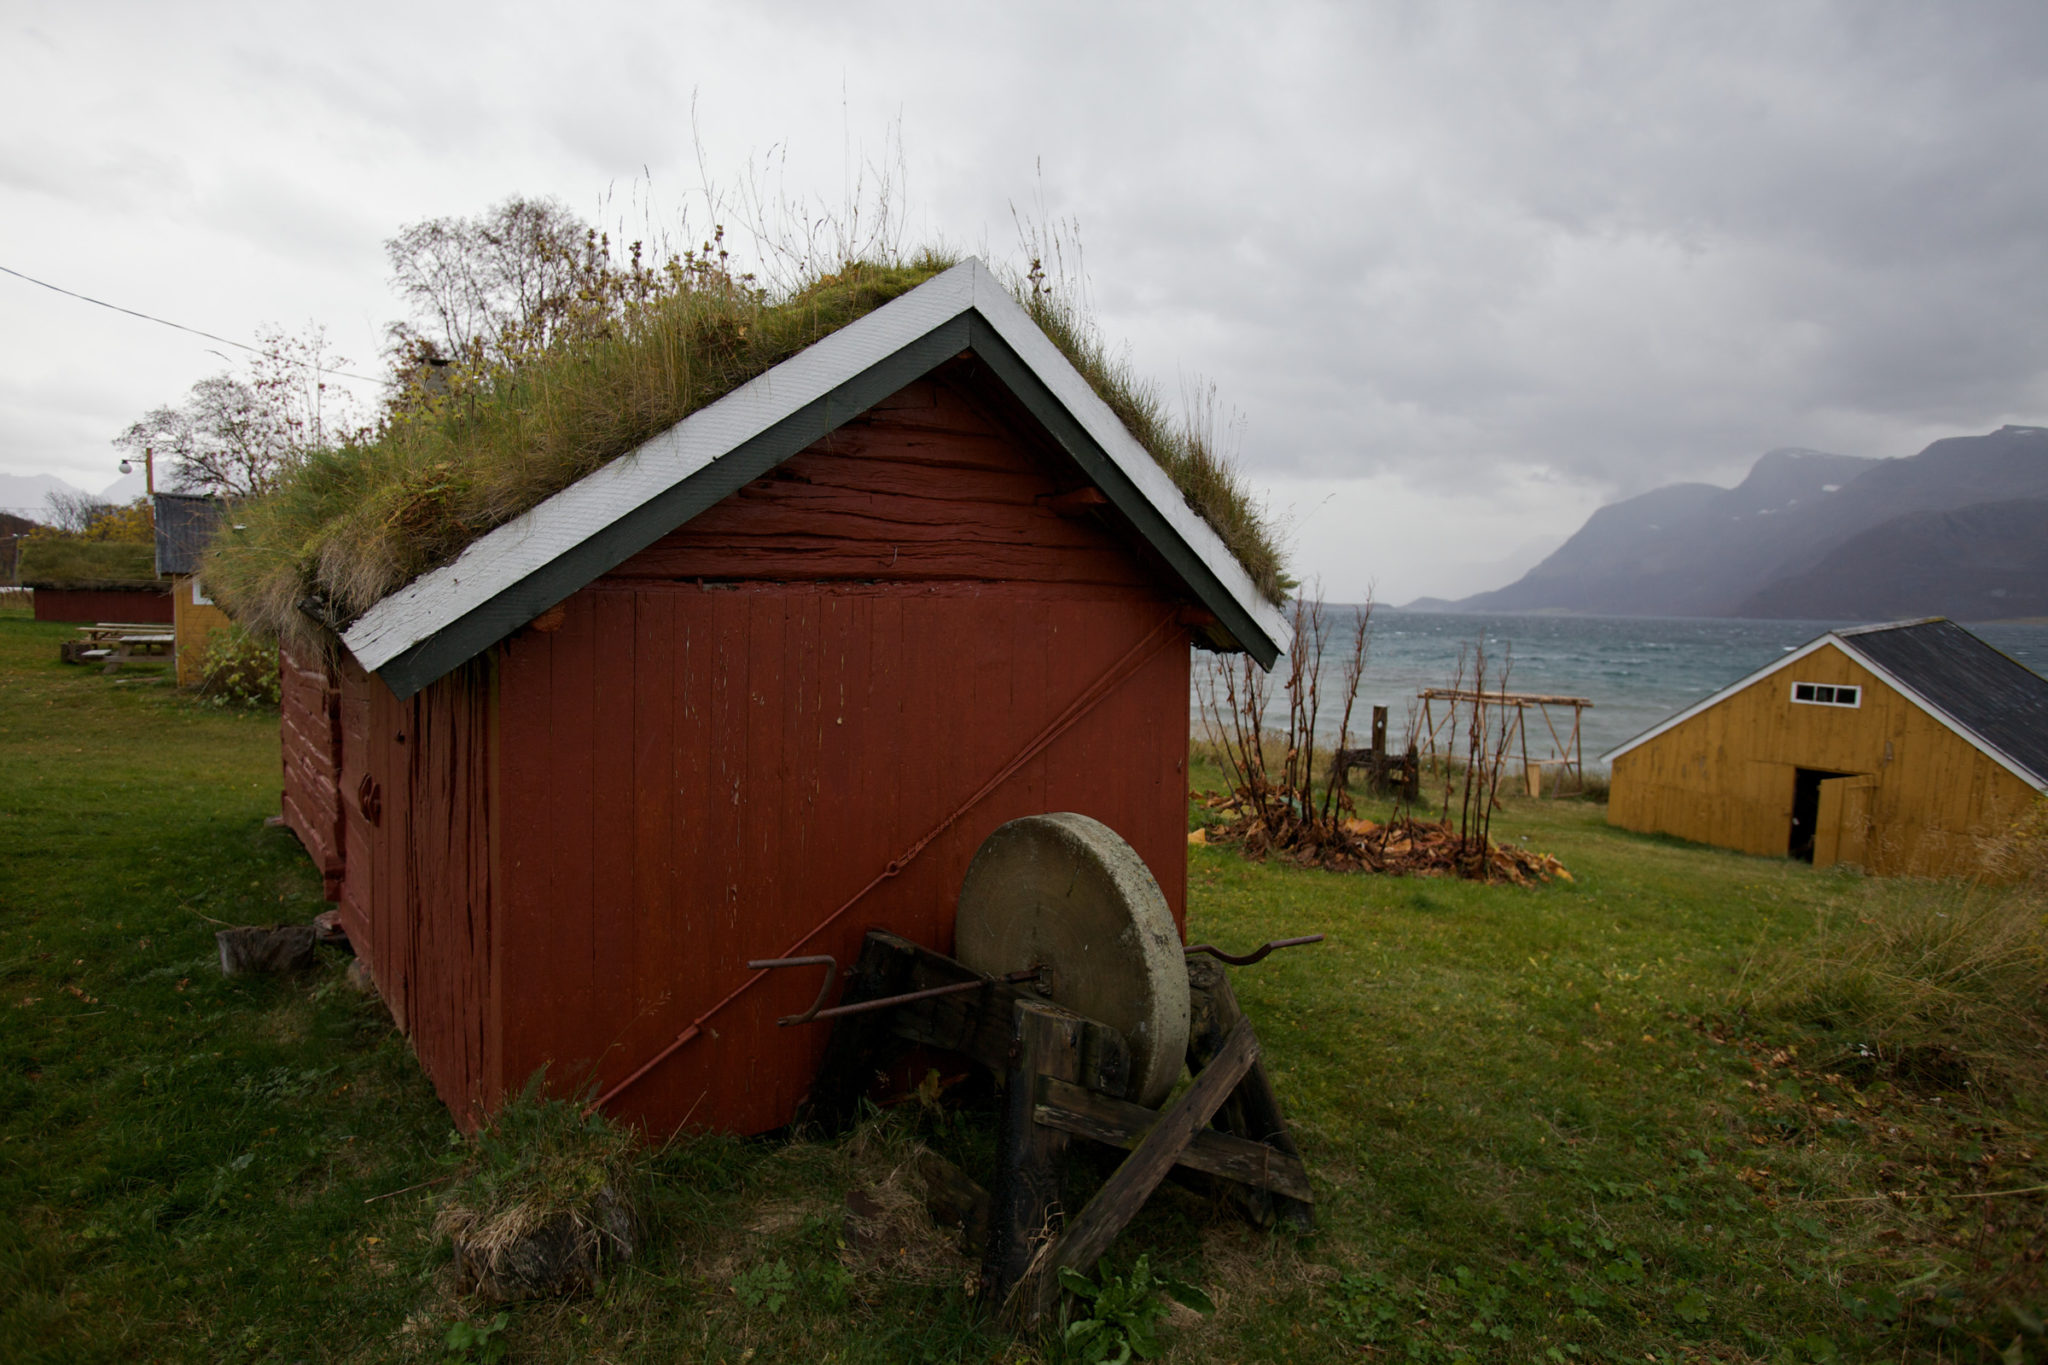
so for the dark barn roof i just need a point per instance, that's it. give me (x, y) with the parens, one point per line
(1996, 698)
(185, 522)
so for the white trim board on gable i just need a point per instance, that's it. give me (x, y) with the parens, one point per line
(506, 577)
(1841, 640)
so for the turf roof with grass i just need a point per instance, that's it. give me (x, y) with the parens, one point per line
(66, 563)
(349, 526)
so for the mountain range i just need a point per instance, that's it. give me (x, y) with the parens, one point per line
(1960, 529)
(26, 495)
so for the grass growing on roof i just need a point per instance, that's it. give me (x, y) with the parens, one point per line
(351, 525)
(69, 563)
(1184, 448)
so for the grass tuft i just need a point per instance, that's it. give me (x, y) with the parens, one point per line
(547, 1201)
(1906, 966)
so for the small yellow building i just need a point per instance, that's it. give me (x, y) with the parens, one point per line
(1903, 749)
(184, 525)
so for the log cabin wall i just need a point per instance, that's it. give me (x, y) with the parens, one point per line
(309, 703)
(419, 793)
(1725, 776)
(715, 746)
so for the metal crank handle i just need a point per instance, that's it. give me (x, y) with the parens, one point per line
(1256, 955)
(825, 960)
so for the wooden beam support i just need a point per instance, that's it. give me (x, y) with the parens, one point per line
(1026, 1202)
(979, 1025)
(859, 1043)
(1253, 1111)
(1119, 1123)
(1132, 1183)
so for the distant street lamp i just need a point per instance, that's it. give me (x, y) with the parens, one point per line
(148, 469)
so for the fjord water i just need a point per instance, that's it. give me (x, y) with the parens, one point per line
(1635, 670)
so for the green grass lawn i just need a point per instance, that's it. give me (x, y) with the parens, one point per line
(1543, 1124)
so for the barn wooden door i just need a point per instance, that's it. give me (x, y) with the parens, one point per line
(1842, 828)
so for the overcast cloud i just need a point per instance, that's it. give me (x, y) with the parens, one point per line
(1463, 272)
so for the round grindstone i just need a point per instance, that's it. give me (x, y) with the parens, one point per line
(1063, 892)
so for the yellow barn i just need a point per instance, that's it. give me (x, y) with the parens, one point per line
(1903, 749)
(184, 524)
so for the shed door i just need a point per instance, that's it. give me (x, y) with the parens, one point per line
(1806, 785)
(1842, 823)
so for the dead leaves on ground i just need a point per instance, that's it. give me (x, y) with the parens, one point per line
(1404, 847)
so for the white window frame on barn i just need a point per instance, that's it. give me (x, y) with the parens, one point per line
(1833, 693)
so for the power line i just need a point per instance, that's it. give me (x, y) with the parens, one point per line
(148, 317)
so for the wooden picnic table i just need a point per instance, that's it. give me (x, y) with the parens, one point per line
(101, 632)
(125, 649)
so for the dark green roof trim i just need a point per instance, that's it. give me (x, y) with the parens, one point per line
(1235, 622)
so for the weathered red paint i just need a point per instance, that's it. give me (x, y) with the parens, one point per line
(584, 835)
(138, 605)
(309, 700)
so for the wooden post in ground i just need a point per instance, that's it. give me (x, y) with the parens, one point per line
(1379, 750)
(1026, 1204)
(858, 1042)
(1253, 1110)
(1132, 1183)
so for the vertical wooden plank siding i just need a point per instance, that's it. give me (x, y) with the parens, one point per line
(419, 896)
(1725, 776)
(194, 624)
(730, 735)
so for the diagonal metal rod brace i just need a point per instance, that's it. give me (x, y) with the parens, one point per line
(1256, 955)
(818, 1013)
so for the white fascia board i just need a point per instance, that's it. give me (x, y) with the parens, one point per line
(1714, 699)
(493, 562)
(536, 538)
(1847, 647)
(1035, 349)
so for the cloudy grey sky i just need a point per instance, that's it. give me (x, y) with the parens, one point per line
(1463, 272)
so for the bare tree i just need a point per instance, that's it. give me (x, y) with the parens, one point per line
(76, 513)
(1274, 774)
(236, 434)
(485, 290)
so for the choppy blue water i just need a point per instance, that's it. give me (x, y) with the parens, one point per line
(1635, 670)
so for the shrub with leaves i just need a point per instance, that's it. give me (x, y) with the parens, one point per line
(1117, 1317)
(241, 670)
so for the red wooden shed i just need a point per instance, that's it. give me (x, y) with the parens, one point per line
(99, 580)
(757, 687)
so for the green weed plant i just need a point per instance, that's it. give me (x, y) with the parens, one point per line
(1117, 1317)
